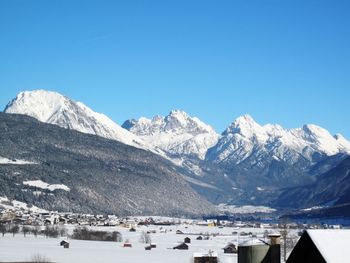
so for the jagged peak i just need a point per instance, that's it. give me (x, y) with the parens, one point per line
(244, 125)
(144, 120)
(176, 121)
(245, 118)
(178, 112)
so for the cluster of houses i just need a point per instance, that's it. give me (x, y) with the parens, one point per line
(316, 244)
(28, 217)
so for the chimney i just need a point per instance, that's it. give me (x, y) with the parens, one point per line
(275, 248)
(275, 239)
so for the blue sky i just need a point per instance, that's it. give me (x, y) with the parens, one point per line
(281, 61)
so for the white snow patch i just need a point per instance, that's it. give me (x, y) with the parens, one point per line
(312, 208)
(4, 160)
(197, 182)
(43, 185)
(14, 204)
(246, 209)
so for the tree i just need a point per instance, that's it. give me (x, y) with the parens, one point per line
(36, 230)
(25, 230)
(37, 258)
(145, 238)
(3, 228)
(14, 229)
(283, 225)
(63, 230)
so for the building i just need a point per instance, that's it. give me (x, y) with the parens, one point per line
(210, 257)
(187, 240)
(259, 251)
(230, 249)
(322, 245)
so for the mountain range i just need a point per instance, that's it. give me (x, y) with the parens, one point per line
(248, 163)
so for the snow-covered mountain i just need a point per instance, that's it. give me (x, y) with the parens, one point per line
(177, 133)
(245, 139)
(54, 108)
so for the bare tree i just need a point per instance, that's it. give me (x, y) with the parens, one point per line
(25, 230)
(3, 228)
(283, 225)
(63, 230)
(36, 230)
(14, 229)
(37, 258)
(145, 238)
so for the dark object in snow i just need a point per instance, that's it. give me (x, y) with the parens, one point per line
(182, 246)
(63, 242)
(230, 249)
(205, 257)
(187, 240)
(148, 248)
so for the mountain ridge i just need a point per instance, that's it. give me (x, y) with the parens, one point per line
(66, 170)
(54, 108)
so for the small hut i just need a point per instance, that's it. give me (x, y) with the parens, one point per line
(199, 238)
(153, 245)
(182, 246)
(63, 242)
(148, 248)
(187, 240)
(230, 249)
(210, 257)
(179, 232)
(127, 245)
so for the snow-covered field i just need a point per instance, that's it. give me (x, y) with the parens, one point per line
(21, 248)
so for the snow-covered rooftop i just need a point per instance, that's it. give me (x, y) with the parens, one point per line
(332, 244)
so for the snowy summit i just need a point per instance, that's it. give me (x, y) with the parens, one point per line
(177, 133)
(54, 108)
(246, 138)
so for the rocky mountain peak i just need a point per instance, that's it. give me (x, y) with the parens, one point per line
(54, 108)
(177, 133)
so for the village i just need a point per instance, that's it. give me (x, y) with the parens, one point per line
(62, 237)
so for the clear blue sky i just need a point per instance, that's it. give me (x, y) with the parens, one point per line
(281, 61)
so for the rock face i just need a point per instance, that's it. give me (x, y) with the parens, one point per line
(178, 134)
(54, 108)
(71, 171)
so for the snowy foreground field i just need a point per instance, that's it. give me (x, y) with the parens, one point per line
(21, 248)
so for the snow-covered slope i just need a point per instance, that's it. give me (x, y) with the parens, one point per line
(54, 108)
(177, 133)
(245, 138)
